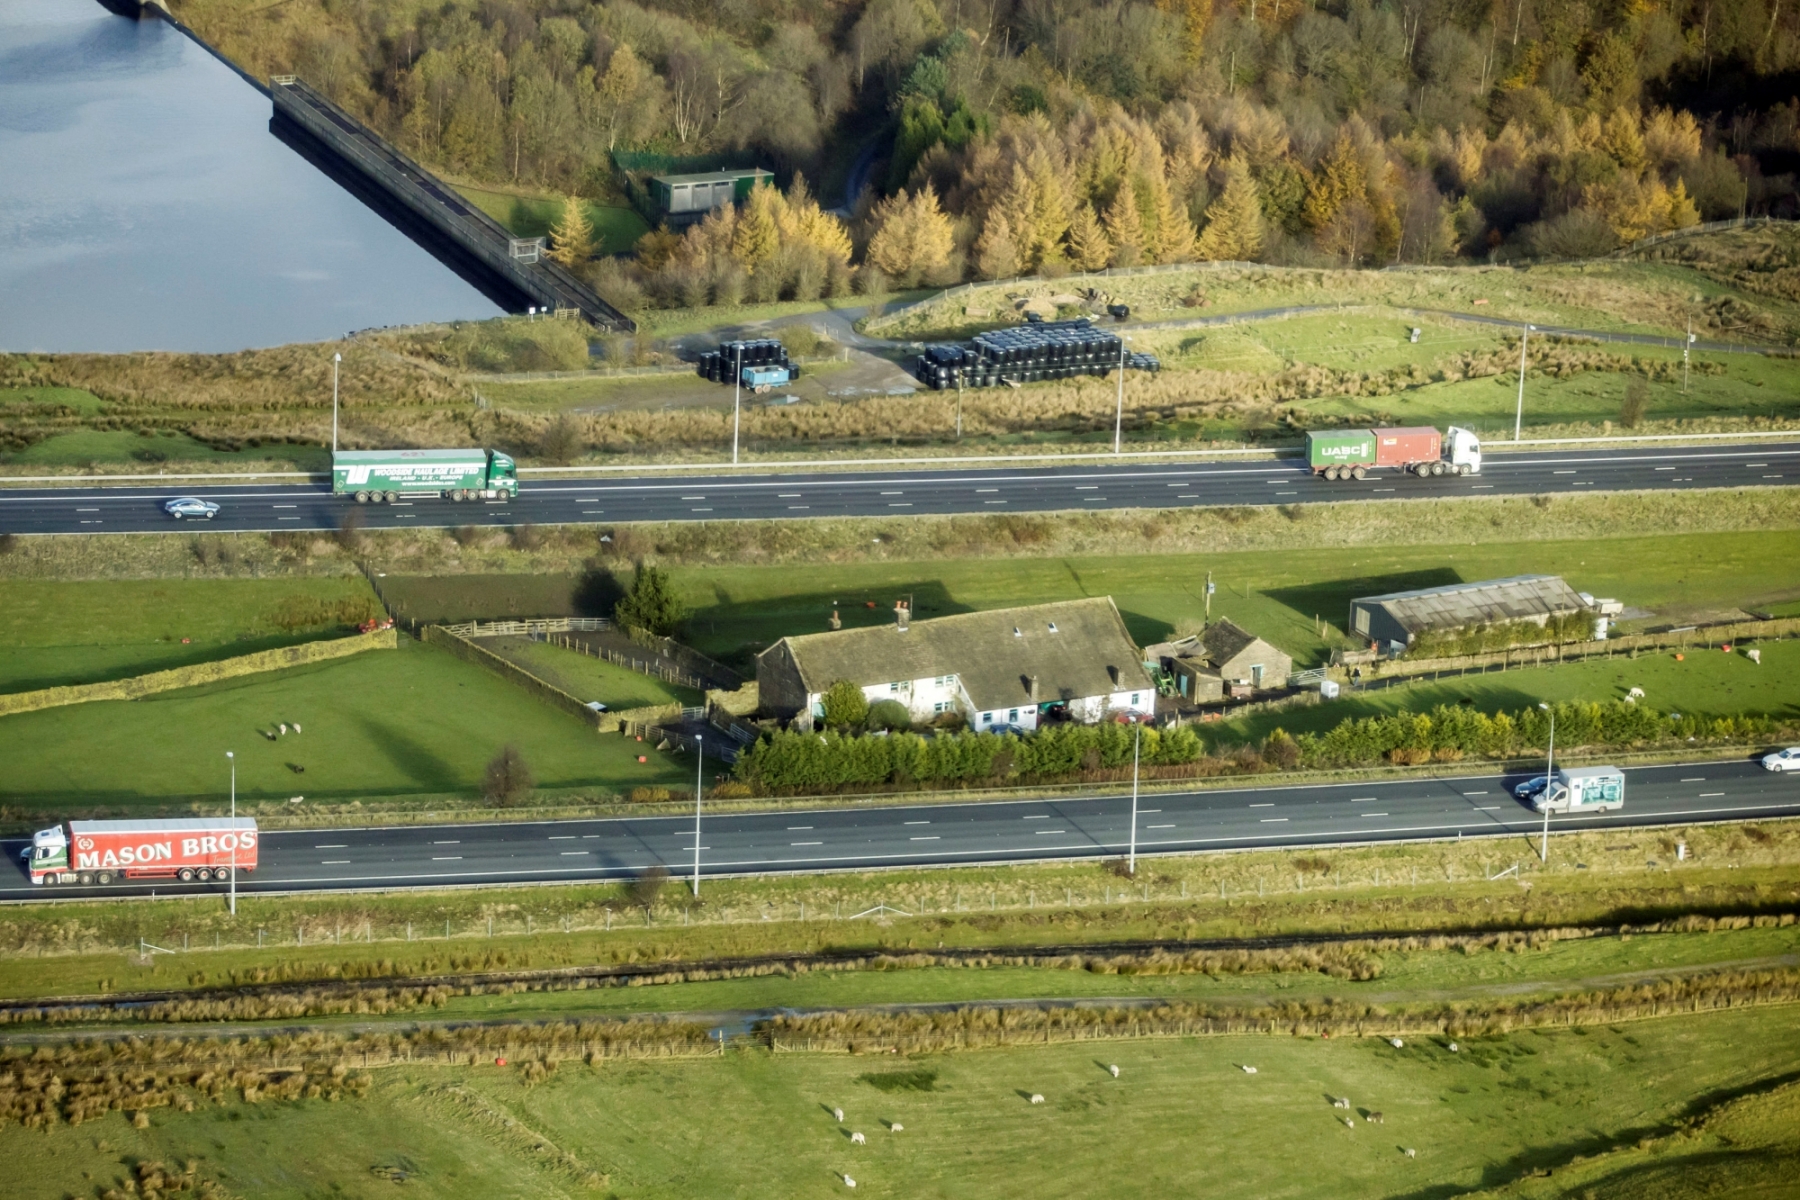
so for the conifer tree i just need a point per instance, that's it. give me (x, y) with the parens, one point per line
(1125, 229)
(572, 237)
(758, 235)
(1233, 221)
(996, 257)
(1089, 247)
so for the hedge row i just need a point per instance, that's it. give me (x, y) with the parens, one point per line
(783, 761)
(788, 761)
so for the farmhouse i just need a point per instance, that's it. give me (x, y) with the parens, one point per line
(1225, 656)
(1399, 617)
(1009, 667)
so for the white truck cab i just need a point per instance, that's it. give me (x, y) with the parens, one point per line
(49, 849)
(1462, 450)
(1583, 789)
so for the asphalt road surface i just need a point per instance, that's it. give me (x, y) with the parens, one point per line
(958, 834)
(764, 496)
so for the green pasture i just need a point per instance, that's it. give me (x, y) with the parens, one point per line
(87, 447)
(588, 678)
(34, 399)
(54, 633)
(616, 229)
(1182, 1118)
(411, 721)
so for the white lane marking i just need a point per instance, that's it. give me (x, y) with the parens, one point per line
(899, 503)
(1188, 496)
(1710, 795)
(284, 506)
(1374, 814)
(979, 491)
(563, 837)
(333, 846)
(1270, 804)
(1695, 779)
(455, 843)
(893, 493)
(1149, 810)
(1756, 464)
(916, 822)
(1092, 487)
(1771, 477)
(591, 512)
(1665, 468)
(1384, 489)
(1278, 481)
(798, 507)
(806, 843)
(1273, 820)
(87, 510)
(701, 510)
(1363, 799)
(1039, 817)
(1474, 793)
(1562, 472)
(287, 518)
(334, 862)
(798, 828)
(576, 853)
(693, 497)
(1489, 807)
(993, 502)
(1159, 827)
(1287, 493)
(928, 838)
(447, 858)
(787, 495)
(1048, 832)
(1480, 486)
(588, 837)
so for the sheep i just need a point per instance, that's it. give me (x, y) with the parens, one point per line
(1396, 1043)
(269, 733)
(849, 1182)
(857, 1139)
(1350, 1122)
(1036, 1098)
(896, 1127)
(1249, 1070)
(296, 727)
(1340, 1103)
(839, 1114)
(1411, 1153)
(1636, 693)
(1114, 1068)
(1375, 1118)
(283, 728)
(1754, 656)
(1454, 1048)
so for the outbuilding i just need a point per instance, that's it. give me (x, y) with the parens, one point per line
(1398, 618)
(683, 199)
(1224, 658)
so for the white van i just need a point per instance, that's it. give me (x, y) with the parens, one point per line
(1583, 789)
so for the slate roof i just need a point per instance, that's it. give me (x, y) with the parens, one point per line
(994, 653)
(1224, 641)
(1515, 598)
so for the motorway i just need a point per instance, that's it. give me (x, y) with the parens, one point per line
(934, 835)
(763, 495)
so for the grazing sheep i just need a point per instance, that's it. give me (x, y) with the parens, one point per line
(1036, 1098)
(1396, 1043)
(1115, 1070)
(1754, 656)
(270, 734)
(1341, 1103)
(1350, 1122)
(1375, 1118)
(857, 1139)
(1411, 1153)
(849, 1182)
(283, 728)
(1636, 693)
(839, 1114)
(1454, 1048)
(1249, 1070)
(896, 1127)
(296, 727)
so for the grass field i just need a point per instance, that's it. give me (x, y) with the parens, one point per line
(55, 633)
(387, 725)
(616, 228)
(589, 678)
(144, 455)
(1181, 1118)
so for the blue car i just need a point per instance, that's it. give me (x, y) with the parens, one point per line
(191, 506)
(1531, 787)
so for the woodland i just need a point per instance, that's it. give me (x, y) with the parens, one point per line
(931, 141)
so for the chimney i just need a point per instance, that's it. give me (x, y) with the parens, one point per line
(1113, 674)
(1034, 689)
(902, 614)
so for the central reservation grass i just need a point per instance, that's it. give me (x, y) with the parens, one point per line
(409, 722)
(1182, 1118)
(54, 633)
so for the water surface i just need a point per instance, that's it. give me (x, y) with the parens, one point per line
(144, 204)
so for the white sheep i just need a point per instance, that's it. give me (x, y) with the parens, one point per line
(1036, 1098)
(857, 1139)
(1114, 1068)
(1454, 1048)
(896, 1127)
(296, 727)
(1636, 693)
(839, 1114)
(283, 728)
(849, 1182)
(1375, 1118)
(1754, 656)
(1350, 1122)
(1340, 1103)
(1411, 1153)
(1396, 1043)
(1249, 1070)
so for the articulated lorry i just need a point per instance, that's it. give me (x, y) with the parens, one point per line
(375, 476)
(189, 849)
(1420, 450)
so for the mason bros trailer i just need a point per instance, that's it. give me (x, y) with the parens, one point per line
(100, 852)
(377, 476)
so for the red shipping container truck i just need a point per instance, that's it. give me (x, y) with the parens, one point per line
(193, 849)
(1407, 447)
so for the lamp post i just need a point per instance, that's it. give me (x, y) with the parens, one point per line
(335, 360)
(1549, 772)
(1119, 415)
(737, 386)
(1519, 416)
(698, 758)
(1137, 738)
(232, 878)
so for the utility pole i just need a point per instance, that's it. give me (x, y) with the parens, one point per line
(737, 386)
(959, 398)
(1685, 347)
(698, 758)
(1549, 778)
(1519, 417)
(1209, 595)
(1119, 417)
(232, 878)
(335, 360)
(1137, 739)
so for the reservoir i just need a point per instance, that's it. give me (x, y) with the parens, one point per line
(144, 204)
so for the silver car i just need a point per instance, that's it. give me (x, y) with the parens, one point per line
(191, 506)
(1782, 760)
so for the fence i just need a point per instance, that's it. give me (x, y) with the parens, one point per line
(643, 666)
(530, 627)
(1708, 227)
(465, 649)
(667, 737)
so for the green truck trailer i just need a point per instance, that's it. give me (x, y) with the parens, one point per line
(384, 476)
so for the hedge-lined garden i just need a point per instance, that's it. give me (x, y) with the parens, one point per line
(814, 762)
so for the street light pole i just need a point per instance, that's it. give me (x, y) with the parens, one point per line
(699, 757)
(232, 878)
(1119, 416)
(335, 360)
(1131, 855)
(1549, 774)
(737, 384)
(1519, 417)
(1685, 347)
